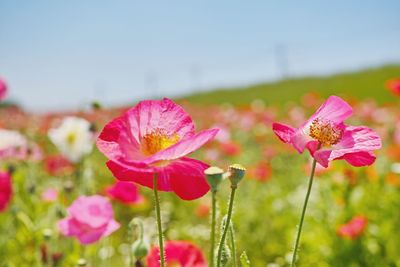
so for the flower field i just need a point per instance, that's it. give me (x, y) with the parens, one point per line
(96, 187)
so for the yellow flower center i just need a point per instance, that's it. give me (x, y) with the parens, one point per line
(325, 132)
(156, 141)
(71, 137)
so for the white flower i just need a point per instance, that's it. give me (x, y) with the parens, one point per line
(73, 138)
(12, 144)
(11, 139)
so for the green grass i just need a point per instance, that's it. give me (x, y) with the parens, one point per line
(369, 83)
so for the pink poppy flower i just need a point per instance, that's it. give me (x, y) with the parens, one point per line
(5, 190)
(354, 228)
(58, 165)
(49, 195)
(125, 192)
(394, 86)
(178, 253)
(338, 141)
(3, 89)
(89, 218)
(155, 137)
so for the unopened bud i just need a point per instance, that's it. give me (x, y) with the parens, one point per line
(140, 249)
(82, 263)
(236, 174)
(47, 233)
(214, 177)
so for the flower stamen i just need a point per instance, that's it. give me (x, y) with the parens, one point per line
(157, 140)
(325, 132)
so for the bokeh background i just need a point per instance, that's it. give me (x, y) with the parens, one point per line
(235, 65)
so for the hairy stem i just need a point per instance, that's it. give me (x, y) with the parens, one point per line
(158, 215)
(213, 218)
(310, 183)
(228, 220)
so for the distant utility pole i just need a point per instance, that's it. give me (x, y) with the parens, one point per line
(282, 62)
(151, 84)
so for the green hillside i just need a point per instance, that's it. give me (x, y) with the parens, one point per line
(360, 84)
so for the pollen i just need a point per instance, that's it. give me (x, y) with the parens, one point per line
(325, 132)
(157, 140)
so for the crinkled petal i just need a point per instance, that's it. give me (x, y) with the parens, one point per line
(284, 132)
(183, 147)
(355, 147)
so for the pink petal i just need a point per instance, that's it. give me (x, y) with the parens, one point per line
(3, 89)
(141, 175)
(334, 109)
(187, 178)
(183, 147)
(184, 176)
(112, 226)
(355, 147)
(162, 114)
(284, 132)
(359, 159)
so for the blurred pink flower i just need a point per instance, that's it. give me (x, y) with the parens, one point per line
(155, 137)
(49, 195)
(5, 190)
(89, 218)
(338, 141)
(178, 253)
(125, 192)
(394, 86)
(354, 228)
(3, 89)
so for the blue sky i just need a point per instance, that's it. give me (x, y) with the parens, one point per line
(63, 54)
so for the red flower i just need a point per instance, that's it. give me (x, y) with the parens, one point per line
(57, 165)
(394, 86)
(125, 192)
(178, 253)
(354, 228)
(5, 190)
(155, 137)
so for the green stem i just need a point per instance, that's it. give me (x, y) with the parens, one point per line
(314, 164)
(213, 218)
(233, 246)
(228, 220)
(158, 215)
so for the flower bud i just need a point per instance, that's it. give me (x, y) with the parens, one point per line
(82, 263)
(47, 233)
(214, 177)
(236, 174)
(140, 249)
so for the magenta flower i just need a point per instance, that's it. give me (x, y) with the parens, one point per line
(5, 190)
(354, 228)
(89, 218)
(125, 192)
(326, 129)
(3, 89)
(178, 253)
(155, 137)
(49, 195)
